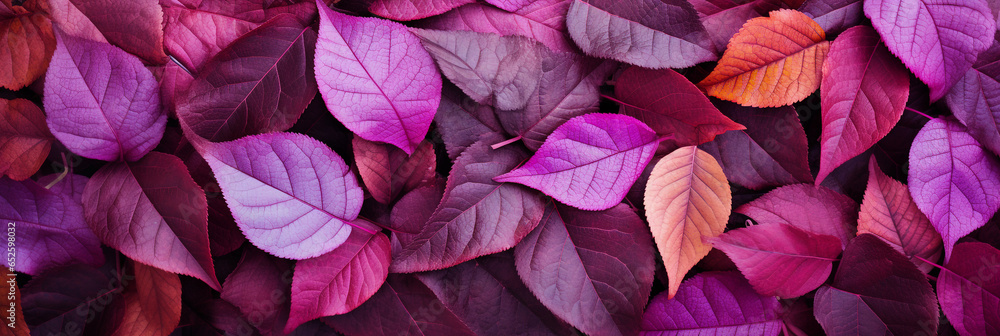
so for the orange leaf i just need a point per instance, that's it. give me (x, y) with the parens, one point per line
(153, 304)
(26, 45)
(770, 62)
(16, 326)
(688, 202)
(24, 138)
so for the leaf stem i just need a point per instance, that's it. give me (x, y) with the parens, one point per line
(505, 142)
(930, 263)
(918, 112)
(61, 175)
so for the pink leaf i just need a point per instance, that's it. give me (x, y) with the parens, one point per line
(543, 20)
(406, 10)
(969, 289)
(388, 172)
(134, 25)
(260, 287)
(713, 303)
(813, 209)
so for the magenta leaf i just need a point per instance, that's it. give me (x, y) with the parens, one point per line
(260, 287)
(48, 228)
(713, 303)
(590, 161)
(70, 185)
(340, 280)
(249, 89)
(135, 26)
(152, 211)
(937, 39)
(462, 121)
(101, 102)
(543, 20)
(307, 192)
(406, 10)
(376, 78)
(975, 99)
(779, 259)
(387, 171)
(501, 71)
(969, 289)
(412, 211)
(876, 291)
(477, 216)
(814, 209)
(592, 269)
(953, 180)
(834, 16)
(636, 32)
(864, 91)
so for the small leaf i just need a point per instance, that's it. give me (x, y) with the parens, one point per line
(260, 286)
(25, 140)
(152, 304)
(811, 208)
(388, 172)
(590, 161)
(712, 303)
(969, 289)
(687, 202)
(771, 62)
(27, 44)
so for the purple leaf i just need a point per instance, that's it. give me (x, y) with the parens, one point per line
(637, 32)
(937, 39)
(713, 303)
(953, 180)
(834, 16)
(969, 289)
(975, 99)
(102, 103)
(502, 71)
(260, 287)
(477, 216)
(260, 83)
(340, 280)
(70, 185)
(307, 192)
(376, 79)
(780, 259)
(589, 162)
(811, 208)
(723, 18)
(876, 291)
(48, 227)
(592, 269)
(153, 212)
(462, 121)
(412, 211)
(543, 20)
(52, 300)
(406, 10)
(387, 171)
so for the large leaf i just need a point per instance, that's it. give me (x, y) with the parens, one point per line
(477, 216)
(771, 62)
(340, 280)
(589, 162)
(260, 83)
(25, 140)
(863, 93)
(152, 303)
(543, 20)
(687, 202)
(953, 180)
(834, 16)
(388, 172)
(969, 289)
(937, 39)
(309, 204)
(713, 303)
(49, 228)
(376, 78)
(814, 209)
(27, 43)
(102, 103)
(889, 212)
(260, 286)
(592, 269)
(153, 212)
(975, 99)
(135, 26)
(637, 32)
(671, 105)
(406, 10)
(876, 291)
(779, 259)
(501, 71)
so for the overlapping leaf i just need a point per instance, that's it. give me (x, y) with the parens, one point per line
(969, 289)
(406, 10)
(387, 171)
(543, 20)
(260, 286)
(25, 140)
(713, 302)
(462, 121)
(811, 208)
(51, 299)
(135, 26)
(975, 99)
(724, 18)
(152, 303)
(28, 42)
(834, 16)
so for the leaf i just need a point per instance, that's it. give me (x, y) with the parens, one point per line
(889, 212)
(501, 71)
(406, 10)
(834, 16)
(260, 83)
(713, 302)
(153, 303)
(953, 180)
(340, 280)
(543, 20)
(975, 99)
(636, 32)
(412, 211)
(940, 40)
(723, 18)
(864, 91)
(969, 289)
(687, 201)
(592, 269)
(153, 212)
(49, 228)
(25, 140)
(462, 121)
(28, 43)
(779, 259)
(260, 287)
(590, 161)
(135, 26)
(309, 194)
(811, 208)
(52, 299)
(488, 296)
(71, 185)
(477, 215)
(876, 291)
(376, 79)
(771, 62)
(388, 172)
(771, 151)
(403, 305)
(101, 102)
